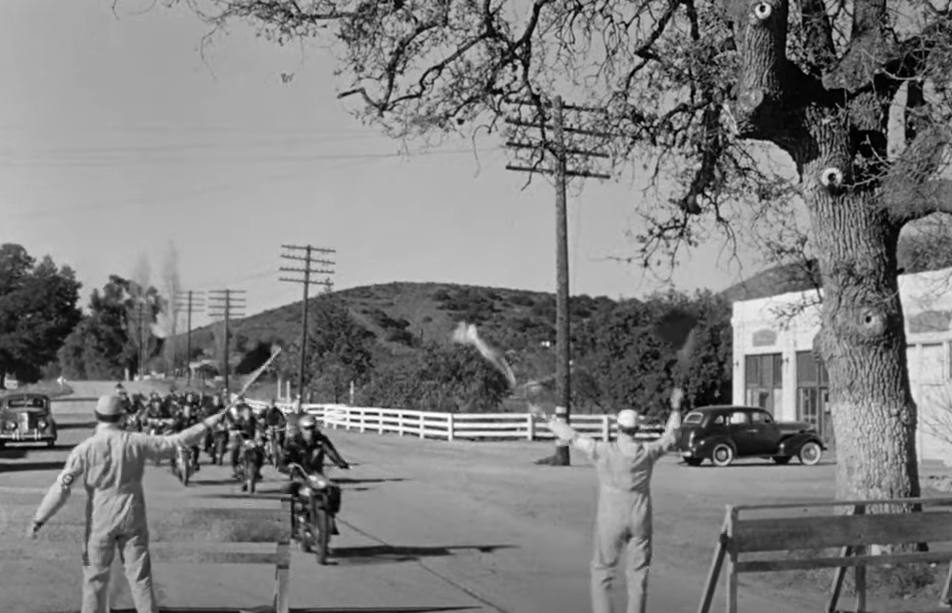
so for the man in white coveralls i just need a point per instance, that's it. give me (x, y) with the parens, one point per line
(111, 463)
(624, 471)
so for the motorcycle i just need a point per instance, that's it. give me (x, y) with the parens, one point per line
(158, 427)
(218, 444)
(182, 464)
(315, 502)
(273, 449)
(250, 461)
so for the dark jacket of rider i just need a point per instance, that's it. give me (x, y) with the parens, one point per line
(310, 455)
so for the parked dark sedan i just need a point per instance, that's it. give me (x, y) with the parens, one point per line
(26, 418)
(722, 433)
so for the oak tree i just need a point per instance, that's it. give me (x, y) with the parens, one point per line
(714, 97)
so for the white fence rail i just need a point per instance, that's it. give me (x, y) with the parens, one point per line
(456, 426)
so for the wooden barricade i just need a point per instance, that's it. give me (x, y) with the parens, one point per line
(201, 552)
(852, 533)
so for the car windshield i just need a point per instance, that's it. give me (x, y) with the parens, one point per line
(26, 404)
(693, 418)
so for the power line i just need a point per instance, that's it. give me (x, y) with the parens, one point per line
(224, 304)
(191, 301)
(309, 263)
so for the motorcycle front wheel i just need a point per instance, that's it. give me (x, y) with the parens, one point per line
(322, 541)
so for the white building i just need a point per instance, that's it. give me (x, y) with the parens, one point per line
(775, 368)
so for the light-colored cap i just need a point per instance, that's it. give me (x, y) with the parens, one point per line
(628, 418)
(108, 405)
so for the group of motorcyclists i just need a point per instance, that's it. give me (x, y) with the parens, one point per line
(283, 438)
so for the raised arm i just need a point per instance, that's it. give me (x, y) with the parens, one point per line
(565, 432)
(670, 435)
(165, 446)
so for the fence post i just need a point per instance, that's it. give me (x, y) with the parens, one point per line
(380, 421)
(606, 428)
(530, 427)
(363, 421)
(400, 423)
(450, 427)
(422, 425)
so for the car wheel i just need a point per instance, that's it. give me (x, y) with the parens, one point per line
(782, 459)
(693, 461)
(810, 453)
(722, 455)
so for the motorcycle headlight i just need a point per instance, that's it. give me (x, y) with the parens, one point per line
(317, 482)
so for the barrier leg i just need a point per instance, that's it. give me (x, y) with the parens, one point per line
(711, 584)
(282, 571)
(731, 563)
(946, 598)
(838, 578)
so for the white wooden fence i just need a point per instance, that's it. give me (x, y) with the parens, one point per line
(456, 426)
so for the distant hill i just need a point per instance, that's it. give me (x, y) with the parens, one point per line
(404, 315)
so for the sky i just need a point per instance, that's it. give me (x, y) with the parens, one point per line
(117, 137)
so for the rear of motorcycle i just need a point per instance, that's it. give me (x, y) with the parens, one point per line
(252, 458)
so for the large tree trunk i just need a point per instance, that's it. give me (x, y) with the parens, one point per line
(863, 343)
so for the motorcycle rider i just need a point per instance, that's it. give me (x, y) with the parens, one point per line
(274, 418)
(242, 426)
(309, 446)
(186, 418)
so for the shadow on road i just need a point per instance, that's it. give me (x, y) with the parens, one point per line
(269, 609)
(26, 466)
(394, 553)
(75, 425)
(13, 453)
(349, 481)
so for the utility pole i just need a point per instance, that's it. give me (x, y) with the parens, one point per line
(191, 301)
(224, 304)
(309, 263)
(558, 152)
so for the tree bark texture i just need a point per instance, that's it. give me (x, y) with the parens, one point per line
(835, 136)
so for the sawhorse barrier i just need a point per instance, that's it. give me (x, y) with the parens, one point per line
(853, 533)
(167, 547)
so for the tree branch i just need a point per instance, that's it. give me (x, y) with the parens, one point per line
(820, 53)
(770, 89)
(912, 202)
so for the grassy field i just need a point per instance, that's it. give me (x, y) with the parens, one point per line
(50, 388)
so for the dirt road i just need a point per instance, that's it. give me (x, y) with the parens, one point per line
(425, 526)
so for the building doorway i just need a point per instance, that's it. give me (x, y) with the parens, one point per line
(813, 395)
(764, 381)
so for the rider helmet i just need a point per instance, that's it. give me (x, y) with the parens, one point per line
(307, 422)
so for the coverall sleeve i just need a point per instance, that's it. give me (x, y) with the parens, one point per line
(160, 447)
(59, 492)
(565, 432)
(669, 437)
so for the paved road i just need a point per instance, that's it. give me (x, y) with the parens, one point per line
(418, 534)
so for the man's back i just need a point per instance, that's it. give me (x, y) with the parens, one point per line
(625, 466)
(113, 463)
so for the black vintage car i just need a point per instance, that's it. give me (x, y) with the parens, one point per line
(26, 418)
(722, 433)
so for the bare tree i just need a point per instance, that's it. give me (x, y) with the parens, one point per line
(171, 286)
(738, 108)
(143, 305)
